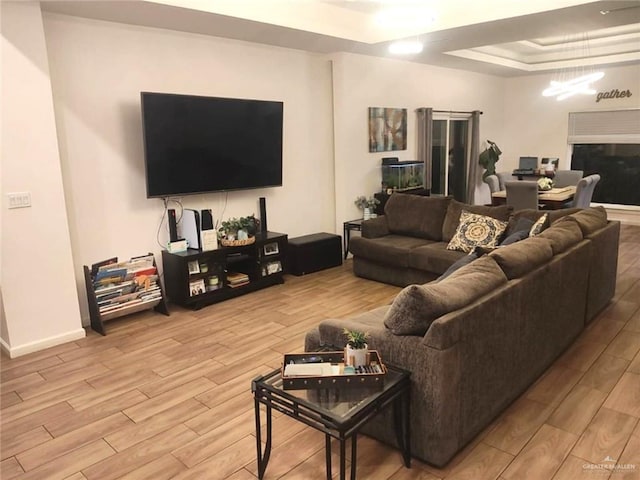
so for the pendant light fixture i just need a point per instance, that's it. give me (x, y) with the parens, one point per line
(574, 81)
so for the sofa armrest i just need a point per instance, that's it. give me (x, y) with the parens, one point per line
(375, 227)
(447, 331)
(603, 267)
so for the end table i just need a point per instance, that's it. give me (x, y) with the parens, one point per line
(347, 227)
(338, 412)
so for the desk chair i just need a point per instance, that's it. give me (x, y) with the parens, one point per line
(584, 191)
(567, 178)
(504, 177)
(522, 194)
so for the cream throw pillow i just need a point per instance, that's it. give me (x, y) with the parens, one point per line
(476, 230)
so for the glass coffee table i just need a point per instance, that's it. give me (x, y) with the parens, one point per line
(338, 412)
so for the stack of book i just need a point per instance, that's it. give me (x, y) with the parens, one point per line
(119, 285)
(237, 279)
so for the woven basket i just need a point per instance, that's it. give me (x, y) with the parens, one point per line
(237, 243)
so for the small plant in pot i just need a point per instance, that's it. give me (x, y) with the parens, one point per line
(238, 229)
(367, 205)
(355, 353)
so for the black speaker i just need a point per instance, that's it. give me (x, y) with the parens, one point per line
(206, 219)
(173, 225)
(263, 215)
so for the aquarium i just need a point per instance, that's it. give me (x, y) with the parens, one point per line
(403, 175)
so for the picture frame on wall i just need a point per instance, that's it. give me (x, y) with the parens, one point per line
(387, 129)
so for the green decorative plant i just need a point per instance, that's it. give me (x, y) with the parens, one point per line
(488, 159)
(231, 226)
(363, 202)
(356, 339)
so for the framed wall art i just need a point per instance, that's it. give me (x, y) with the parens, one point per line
(387, 129)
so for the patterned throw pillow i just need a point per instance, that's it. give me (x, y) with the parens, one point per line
(476, 231)
(538, 226)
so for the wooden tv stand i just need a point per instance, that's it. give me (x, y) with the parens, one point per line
(195, 279)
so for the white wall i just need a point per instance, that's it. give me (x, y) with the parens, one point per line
(360, 82)
(38, 287)
(98, 70)
(537, 126)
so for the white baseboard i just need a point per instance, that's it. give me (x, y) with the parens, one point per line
(31, 347)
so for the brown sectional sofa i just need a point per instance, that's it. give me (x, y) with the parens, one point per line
(477, 339)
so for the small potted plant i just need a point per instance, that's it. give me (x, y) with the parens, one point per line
(238, 231)
(356, 350)
(367, 205)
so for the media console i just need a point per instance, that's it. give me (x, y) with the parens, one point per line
(195, 279)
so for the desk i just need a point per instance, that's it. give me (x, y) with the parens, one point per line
(533, 176)
(553, 199)
(338, 412)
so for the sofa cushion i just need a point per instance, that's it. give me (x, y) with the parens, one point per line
(516, 219)
(515, 237)
(517, 229)
(591, 219)
(461, 262)
(434, 257)
(416, 307)
(533, 215)
(555, 215)
(562, 234)
(518, 259)
(476, 230)
(416, 215)
(389, 250)
(452, 219)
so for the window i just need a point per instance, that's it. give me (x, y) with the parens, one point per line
(618, 165)
(608, 143)
(450, 149)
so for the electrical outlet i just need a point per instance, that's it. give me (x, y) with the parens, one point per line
(19, 199)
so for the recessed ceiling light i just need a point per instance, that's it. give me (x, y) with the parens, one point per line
(405, 47)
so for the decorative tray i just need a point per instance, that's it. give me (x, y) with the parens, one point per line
(327, 370)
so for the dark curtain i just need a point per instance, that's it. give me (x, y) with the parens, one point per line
(425, 142)
(472, 159)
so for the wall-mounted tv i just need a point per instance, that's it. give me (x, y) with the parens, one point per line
(195, 144)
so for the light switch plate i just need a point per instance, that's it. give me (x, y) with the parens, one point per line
(19, 199)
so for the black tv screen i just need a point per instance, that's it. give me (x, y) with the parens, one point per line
(195, 144)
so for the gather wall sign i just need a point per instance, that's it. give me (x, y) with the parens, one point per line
(615, 93)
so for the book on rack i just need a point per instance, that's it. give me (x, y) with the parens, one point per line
(108, 289)
(110, 272)
(131, 266)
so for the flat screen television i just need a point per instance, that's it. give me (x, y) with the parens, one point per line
(195, 144)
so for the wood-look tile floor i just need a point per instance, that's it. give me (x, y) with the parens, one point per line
(169, 397)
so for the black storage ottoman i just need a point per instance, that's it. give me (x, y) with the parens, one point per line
(311, 253)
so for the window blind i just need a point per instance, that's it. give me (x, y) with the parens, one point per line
(608, 126)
